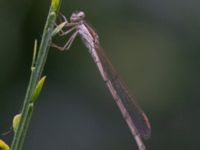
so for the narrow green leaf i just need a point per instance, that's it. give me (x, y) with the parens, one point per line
(38, 89)
(34, 55)
(58, 28)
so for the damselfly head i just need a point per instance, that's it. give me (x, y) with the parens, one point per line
(77, 16)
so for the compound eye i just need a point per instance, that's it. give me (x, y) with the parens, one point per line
(81, 14)
(77, 16)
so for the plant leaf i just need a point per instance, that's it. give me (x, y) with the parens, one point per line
(38, 89)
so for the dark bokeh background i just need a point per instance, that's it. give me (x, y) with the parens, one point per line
(153, 44)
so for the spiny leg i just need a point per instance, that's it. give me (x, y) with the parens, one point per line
(64, 23)
(59, 29)
(67, 24)
(61, 32)
(68, 31)
(62, 19)
(68, 44)
(58, 47)
(70, 41)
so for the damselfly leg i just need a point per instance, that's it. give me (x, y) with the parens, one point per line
(65, 28)
(68, 43)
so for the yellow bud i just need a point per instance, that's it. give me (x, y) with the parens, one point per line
(55, 4)
(4, 146)
(16, 121)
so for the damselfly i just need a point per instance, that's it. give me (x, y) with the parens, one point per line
(133, 115)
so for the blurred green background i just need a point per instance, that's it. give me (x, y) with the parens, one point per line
(154, 45)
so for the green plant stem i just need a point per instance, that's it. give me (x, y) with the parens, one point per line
(26, 123)
(36, 73)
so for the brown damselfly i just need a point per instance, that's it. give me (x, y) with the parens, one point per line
(132, 113)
